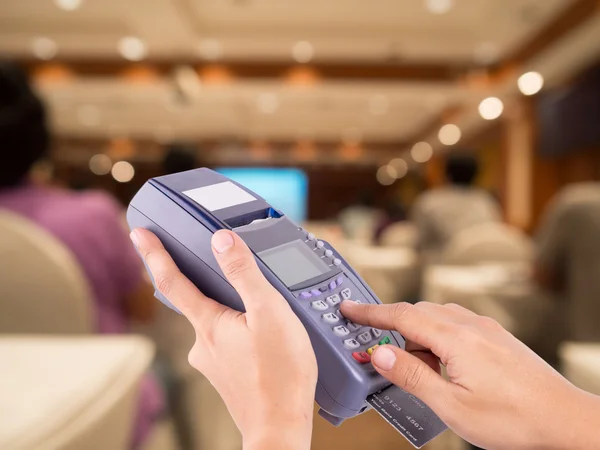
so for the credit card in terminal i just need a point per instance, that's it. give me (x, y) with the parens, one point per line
(408, 415)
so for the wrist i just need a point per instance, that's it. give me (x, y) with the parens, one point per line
(573, 423)
(279, 437)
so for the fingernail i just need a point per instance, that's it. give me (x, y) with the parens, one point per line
(347, 304)
(384, 358)
(222, 241)
(134, 238)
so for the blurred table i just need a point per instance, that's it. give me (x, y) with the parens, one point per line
(70, 393)
(581, 365)
(504, 292)
(392, 272)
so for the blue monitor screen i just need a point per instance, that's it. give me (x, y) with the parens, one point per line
(285, 189)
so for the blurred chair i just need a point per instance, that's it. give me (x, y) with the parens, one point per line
(489, 243)
(70, 393)
(199, 405)
(42, 288)
(401, 234)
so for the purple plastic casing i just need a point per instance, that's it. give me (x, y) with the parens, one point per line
(185, 228)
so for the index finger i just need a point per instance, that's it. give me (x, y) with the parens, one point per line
(170, 282)
(430, 330)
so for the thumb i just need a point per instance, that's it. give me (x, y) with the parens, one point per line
(413, 376)
(239, 266)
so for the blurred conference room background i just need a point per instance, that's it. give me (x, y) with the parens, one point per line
(341, 113)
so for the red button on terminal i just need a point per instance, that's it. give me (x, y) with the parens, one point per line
(362, 357)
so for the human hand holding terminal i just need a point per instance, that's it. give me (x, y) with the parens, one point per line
(261, 362)
(499, 395)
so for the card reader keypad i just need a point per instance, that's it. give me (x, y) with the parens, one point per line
(325, 300)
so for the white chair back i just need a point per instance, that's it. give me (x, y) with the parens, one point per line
(489, 243)
(42, 287)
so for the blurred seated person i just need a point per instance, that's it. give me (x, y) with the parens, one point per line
(568, 257)
(439, 214)
(89, 224)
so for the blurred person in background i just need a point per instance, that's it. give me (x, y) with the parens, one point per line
(568, 257)
(89, 224)
(441, 213)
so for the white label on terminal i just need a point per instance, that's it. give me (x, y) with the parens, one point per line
(219, 196)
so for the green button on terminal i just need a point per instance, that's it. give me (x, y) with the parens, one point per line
(385, 341)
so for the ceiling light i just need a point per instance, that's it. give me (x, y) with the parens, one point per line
(303, 52)
(531, 83)
(439, 6)
(449, 134)
(123, 171)
(68, 5)
(421, 152)
(210, 49)
(379, 105)
(44, 48)
(386, 175)
(267, 103)
(132, 48)
(88, 115)
(100, 164)
(400, 166)
(491, 108)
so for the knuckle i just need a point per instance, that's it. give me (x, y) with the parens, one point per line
(489, 323)
(400, 310)
(236, 268)
(164, 284)
(411, 377)
(468, 336)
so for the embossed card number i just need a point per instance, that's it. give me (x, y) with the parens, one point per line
(408, 415)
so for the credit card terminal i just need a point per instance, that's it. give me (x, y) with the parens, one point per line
(185, 209)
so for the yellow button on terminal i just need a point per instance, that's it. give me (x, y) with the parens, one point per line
(372, 349)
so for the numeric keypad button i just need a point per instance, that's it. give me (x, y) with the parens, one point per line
(331, 318)
(334, 299)
(320, 305)
(346, 294)
(341, 331)
(353, 326)
(351, 344)
(376, 333)
(365, 338)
